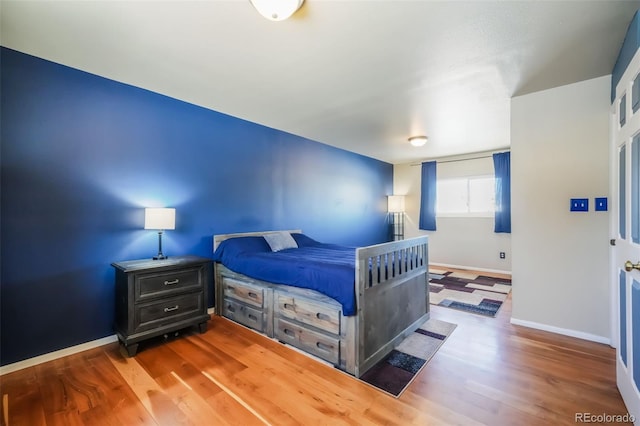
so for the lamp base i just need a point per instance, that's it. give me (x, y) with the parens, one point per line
(160, 256)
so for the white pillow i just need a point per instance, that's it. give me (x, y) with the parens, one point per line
(280, 241)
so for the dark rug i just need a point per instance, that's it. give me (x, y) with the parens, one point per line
(468, 291)
(394, 373)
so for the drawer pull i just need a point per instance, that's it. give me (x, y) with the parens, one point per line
(323, 317)
(289, 306)
(253, 295)
(230, 287)
(289, 332)
(230, 308)
(324, 347)
(176, 281)
(252, 318)
(173, 308)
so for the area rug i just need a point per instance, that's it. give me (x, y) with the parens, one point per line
(468, 291)
(395, 372)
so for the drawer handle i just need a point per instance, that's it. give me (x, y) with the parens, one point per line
(176, 281)
(230, 287)
(289, 332)
(324, 346)
(173, 308)
(230, 308)
(323, 317)
(253, 295)
(289, 306)
(252, 318)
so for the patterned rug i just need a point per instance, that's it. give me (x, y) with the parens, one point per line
(467, 291)
(394, 373)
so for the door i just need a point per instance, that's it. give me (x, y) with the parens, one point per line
(625, 230)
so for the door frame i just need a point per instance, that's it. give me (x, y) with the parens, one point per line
(620, 136)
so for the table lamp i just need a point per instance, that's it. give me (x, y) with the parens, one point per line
(159, 219)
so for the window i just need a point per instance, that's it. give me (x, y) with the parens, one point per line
(635, 94)
(470, 196)
(622, 110)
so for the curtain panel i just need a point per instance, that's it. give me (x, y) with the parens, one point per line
(428, 197)
(502, 166)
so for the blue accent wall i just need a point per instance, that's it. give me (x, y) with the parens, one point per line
(82, 156)
(629, 47)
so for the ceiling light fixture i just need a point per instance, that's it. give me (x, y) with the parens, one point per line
(418, 140)
(277, 10)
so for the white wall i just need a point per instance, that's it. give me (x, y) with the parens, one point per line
(465, 242)
(559, 150)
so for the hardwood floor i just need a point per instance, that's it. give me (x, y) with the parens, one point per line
(488, 372)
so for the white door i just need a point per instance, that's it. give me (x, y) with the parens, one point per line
(625, 228)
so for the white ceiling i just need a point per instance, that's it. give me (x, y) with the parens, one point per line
(359, 75)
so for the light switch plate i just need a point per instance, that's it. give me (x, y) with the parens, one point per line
(601, 204)
(579, 205)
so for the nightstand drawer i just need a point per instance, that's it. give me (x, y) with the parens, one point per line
(251, 295)
(154, 285)
(168, 311)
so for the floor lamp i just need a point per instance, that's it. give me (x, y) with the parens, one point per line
(395, 207)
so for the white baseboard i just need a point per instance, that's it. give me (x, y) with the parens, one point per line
(9, 368)
(563, 331)
(471, 268)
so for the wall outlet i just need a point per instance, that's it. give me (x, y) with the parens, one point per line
(502, 255)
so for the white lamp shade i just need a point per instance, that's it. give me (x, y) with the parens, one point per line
(159, 218)
(277, 10)
(395, 203)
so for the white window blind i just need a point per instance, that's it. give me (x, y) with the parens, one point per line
(469, 196)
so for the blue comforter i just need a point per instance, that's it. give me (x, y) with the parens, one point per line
(326, 268)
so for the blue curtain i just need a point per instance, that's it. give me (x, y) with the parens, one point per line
(428, 197)
(502, 166)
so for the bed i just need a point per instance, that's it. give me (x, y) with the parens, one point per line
(388, 285)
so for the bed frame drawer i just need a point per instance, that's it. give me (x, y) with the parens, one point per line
(243, 314)
(318, 344)
(320, 316)
(249, 294)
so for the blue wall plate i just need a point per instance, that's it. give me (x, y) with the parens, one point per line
(579, 205)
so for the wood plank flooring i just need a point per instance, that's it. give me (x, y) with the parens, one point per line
(488, 372)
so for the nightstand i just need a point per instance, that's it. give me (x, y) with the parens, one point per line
(157, 297)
